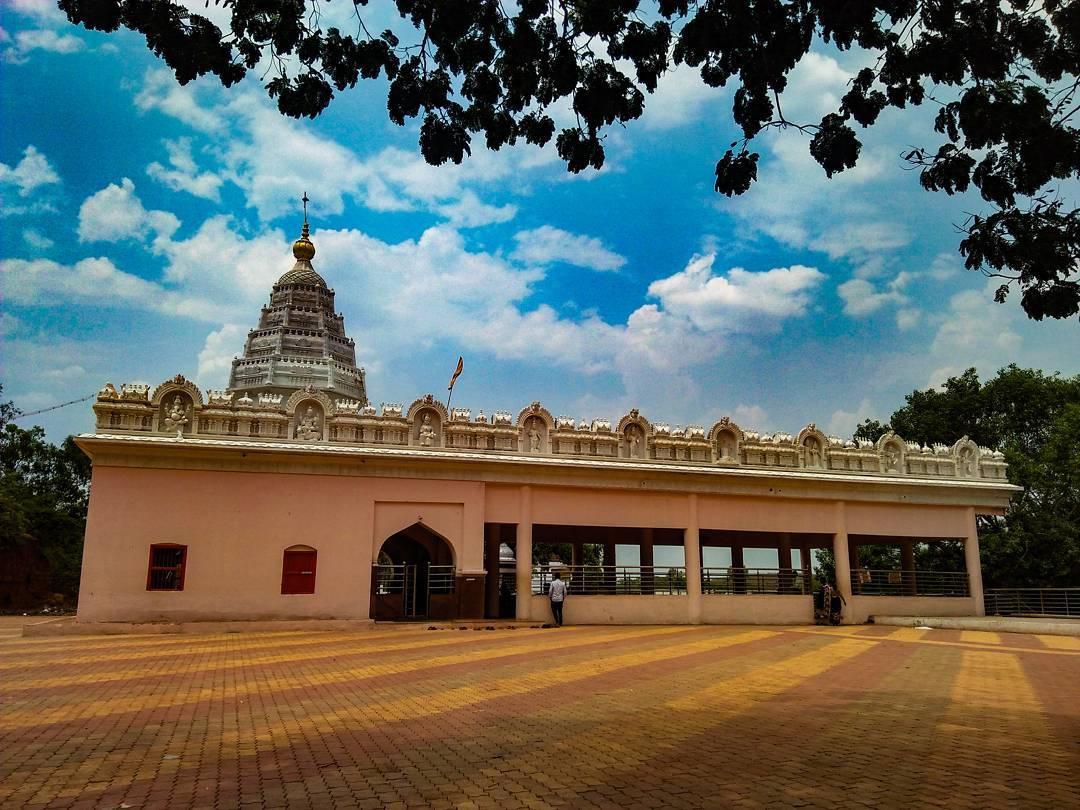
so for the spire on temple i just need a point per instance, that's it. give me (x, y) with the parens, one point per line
(300, 340)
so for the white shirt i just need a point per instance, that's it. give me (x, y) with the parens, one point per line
(558, 590)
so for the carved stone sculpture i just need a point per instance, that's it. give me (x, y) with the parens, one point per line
(633, 442)
(308, 429)
(176, 417)
(534, 436)
(813, 453)
(427, 432)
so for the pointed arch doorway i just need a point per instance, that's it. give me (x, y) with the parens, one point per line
(414, 577)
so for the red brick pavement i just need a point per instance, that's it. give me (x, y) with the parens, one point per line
(578, 717)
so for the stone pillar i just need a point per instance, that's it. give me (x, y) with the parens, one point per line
(907, 567)
(523, 552)
(491, 566)
(692, 557)
(609, 561)
(645, 560)
(738, 570)
(786, 578)
(973, 564)
(807, 567)
(842, 558)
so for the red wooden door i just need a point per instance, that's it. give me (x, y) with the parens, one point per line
(298, 571)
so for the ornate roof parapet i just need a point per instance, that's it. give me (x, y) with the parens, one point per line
(177, 409)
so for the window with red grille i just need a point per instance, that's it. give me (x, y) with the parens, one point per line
(166, 571)
(298, 570)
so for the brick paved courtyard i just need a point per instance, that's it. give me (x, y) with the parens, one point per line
(577, 717)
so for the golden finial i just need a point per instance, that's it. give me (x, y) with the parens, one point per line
(302, 248)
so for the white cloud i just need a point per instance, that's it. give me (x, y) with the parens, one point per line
(96, 281)
(30, 173)
(946, 266)
(160, 92)
(37, 240)
(974, 332)
(184, 174)
(861, 297)
(547, 245)
(218, 351)
(270, 158)
(40, 39)
(679, 99)
(116, 213)
(750, 417)
(843, 423)
(470, 212)
(739, 300)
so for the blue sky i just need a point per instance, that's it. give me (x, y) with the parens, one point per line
(144, 224)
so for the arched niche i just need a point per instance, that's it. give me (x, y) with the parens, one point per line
(426, 416)
(813, 447)
(726, 439)
(308, 421)
(176, 413)
(535, 425)
(892, 450)
(634, 431)
(180, 384)
(965, 454)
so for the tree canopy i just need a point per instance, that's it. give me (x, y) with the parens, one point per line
(44, 491)
(1035, 420)
(1000, 73)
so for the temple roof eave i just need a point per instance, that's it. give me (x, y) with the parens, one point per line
(140, 450)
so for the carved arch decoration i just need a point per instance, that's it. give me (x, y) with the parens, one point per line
(304, 423)
(427, 416)
(179, 384)
(965, 455)
(634, 432)
(535, 425)
(306, 393)
(892, 450)
(813, 447)
(726, 439)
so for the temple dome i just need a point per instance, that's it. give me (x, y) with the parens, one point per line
(302, 272)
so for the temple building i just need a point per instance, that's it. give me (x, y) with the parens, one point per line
(289, 496)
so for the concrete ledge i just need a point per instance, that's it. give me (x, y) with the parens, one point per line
(69, 626)
(997, 624)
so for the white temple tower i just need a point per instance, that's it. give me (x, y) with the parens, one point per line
(300, 339)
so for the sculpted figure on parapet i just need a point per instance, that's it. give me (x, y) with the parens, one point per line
(427, 432)
(308, 429)
(176, 417)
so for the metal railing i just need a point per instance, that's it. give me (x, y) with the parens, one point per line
(389, 579)
(441, 578)
(596, 580)
(737, 579)
(1032, 601)
(883, 582)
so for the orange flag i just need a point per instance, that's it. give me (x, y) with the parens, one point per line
(457, 373)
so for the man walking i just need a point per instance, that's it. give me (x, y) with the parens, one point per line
(557, 593)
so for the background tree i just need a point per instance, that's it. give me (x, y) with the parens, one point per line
(44, 490)
(1035, 420)
(1001, 73)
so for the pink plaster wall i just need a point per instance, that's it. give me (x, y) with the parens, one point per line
(236, 526)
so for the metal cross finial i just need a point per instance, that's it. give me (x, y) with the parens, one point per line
(305, 201)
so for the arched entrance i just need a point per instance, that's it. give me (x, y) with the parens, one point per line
(414, 577)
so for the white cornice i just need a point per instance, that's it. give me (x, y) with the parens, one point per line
(515, 468)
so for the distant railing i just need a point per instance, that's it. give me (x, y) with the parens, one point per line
(1033, 601)
(599, 580)
(875, 582)
(441, 578)
(736, 579)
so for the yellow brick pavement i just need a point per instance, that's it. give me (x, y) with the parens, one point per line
(578, 717)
